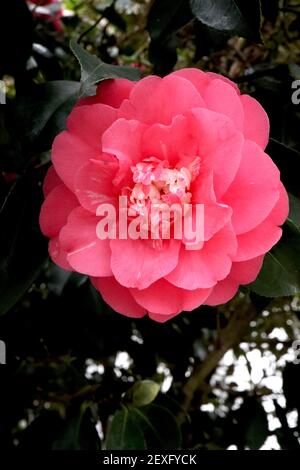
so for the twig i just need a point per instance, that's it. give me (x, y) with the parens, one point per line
(89, 29)
(230, 336)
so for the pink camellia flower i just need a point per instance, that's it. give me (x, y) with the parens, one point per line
(189, 138)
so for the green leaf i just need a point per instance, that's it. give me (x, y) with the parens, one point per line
(280, 274)
(124, 432)
(79, 432)
(144, 392)
(236, 16)
(294, 214)
(94, 70)
(165, 19)
(41, 114)
(288, 161)
(23, 249)
(159, 426)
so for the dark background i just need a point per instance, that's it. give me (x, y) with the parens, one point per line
(77, 374)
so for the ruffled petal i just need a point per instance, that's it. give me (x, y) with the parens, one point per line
(203, 268)
(124, 140)
(69, 153)
(85, 252)
(263, 237)
(163, 298)
(88, 123)
(111, 92)
(118, 297)
(159, 100)
(222, 98)
(222, 292)
(51, 181)
(256, 122)
(54, 214)
(254, 192)
(136, 263)
(170, 142)
(93, 184)
(220, 146)
(58, 255)
(246, 271)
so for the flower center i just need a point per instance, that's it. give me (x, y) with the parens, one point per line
(157, 184)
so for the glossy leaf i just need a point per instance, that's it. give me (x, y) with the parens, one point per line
(79, 432)
(144, 392)
(160, 428)
(93, 70)
(124, 432)
(280, 274)
(23, 249)
(41, 114)
(238, 17)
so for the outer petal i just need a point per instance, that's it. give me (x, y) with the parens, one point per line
(241, 273)
(150, 102)
(263, 237)
(110, 92)
(254, 192)
(163, 298)
(203, 268)
(51, 181)
(222, 98)
(58, 255)
(85, 252)
(201, 79)
(135, 263)
(69, 153)
(197, 77)
(222, 292)
(246, 271)
(54, 214)
(118, 297)
(90, 122)
(258, 241)
(256, 122)
(215, 217)
(93, 184)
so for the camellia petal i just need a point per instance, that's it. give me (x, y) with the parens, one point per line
(172, 301)
(50, 224)
(69, 153)
(118, 297)
(110, 92)
(203, 268)
(252, 196)
(85, 252)
(51, 181)
(93, 184)
(136, 263)
(256, 121)
(149, 101)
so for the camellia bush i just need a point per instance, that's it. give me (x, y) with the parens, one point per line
(150, 224)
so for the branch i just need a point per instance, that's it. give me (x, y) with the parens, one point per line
(230, 336)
